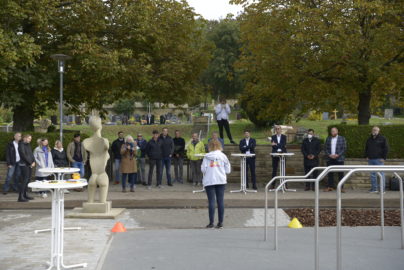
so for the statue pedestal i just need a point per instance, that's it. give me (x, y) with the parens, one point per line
(96, 211)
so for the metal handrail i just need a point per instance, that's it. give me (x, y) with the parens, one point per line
(341, 168)
(339, 205)
(326, 170)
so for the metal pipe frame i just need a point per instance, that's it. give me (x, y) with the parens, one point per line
(326, 170)
(243, 177)
(339, 205)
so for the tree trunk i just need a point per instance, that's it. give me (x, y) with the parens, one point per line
(364, 107)
(23, 118)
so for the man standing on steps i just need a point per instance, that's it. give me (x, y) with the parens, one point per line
(155, 154)
(142, 144)
(278, 146)
(335, 149)
(12, 159)
(178, 157)
(76, 154)
(116, 151)
(222, 116)
(247, 146)
(167, 151)
(311, 148)
(376, 150)
(27, 162)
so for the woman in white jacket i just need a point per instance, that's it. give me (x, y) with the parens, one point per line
(43, 159)
(215, 166)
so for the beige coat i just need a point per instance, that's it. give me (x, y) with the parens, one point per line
(128, 164)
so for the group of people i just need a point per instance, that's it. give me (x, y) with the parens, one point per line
(22, 160)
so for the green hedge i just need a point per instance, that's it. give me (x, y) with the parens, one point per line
(356, 136)
(5, 138)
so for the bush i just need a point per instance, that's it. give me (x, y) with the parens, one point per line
(5, 138)
(356, 137)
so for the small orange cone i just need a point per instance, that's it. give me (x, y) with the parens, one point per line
(118, 227)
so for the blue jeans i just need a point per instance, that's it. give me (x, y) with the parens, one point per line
(373, 175)
(117, 165)
(13, 171)
(166, 162)
(215, 193)
(79, 165)
(131, 179)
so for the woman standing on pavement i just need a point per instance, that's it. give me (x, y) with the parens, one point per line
(43, 159)
(128, 165)
(215, 166)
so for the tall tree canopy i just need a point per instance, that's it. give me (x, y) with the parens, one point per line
(119, 48)
(220, 77)
(320, 55)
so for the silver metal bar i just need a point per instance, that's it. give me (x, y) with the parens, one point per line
(401, 208)
(381, 184)
(379, 168)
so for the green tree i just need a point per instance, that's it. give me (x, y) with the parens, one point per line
(124, 107)
(220, 76)
(321, 55)
(118, 47)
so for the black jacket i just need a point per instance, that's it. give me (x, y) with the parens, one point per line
(251, 146)
(11, 154)
(116, 148)
(179, 146)
(281, 145)
(59, 158)
(376, 147)
(142, 146)
(26, 155)
(312, 147)
(167, 146)
(154, 149)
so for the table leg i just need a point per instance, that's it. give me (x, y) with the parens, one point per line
(243, 177)
(283, 173)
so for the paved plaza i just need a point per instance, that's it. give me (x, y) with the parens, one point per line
(176, 239)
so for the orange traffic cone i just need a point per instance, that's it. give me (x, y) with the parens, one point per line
(118, 227)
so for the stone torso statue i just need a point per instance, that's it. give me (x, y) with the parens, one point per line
(97, 146)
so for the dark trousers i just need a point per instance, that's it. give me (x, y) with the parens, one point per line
(275, 166)
(331, 162)
(166, 162)
(131, 179)
(250, 162)
(196, 173)
(26, 172)
(178, 168)
(307, 169)
(224, 123)
(154, 163)
(215, 194)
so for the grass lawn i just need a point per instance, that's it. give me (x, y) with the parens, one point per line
(237, 128)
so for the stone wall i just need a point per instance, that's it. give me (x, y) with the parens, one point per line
(294, 166)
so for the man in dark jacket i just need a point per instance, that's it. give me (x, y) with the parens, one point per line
(178, 156)
(142, 144)
(311, 148)
(247, 146)
(168, 151)
(155, 154)
(278, 146)
(116, 151)
(12, 159)
(27, 162)
(376, 150)
(335, 149)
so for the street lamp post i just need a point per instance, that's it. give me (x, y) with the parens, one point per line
(61, 58)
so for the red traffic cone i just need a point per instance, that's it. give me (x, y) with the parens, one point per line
(118, 227)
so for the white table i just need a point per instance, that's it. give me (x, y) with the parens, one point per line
(57, 188)
(203, 189)
(243, 173)
(282, 168)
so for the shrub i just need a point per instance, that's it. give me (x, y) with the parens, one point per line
(356, 136)
(5, 138)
